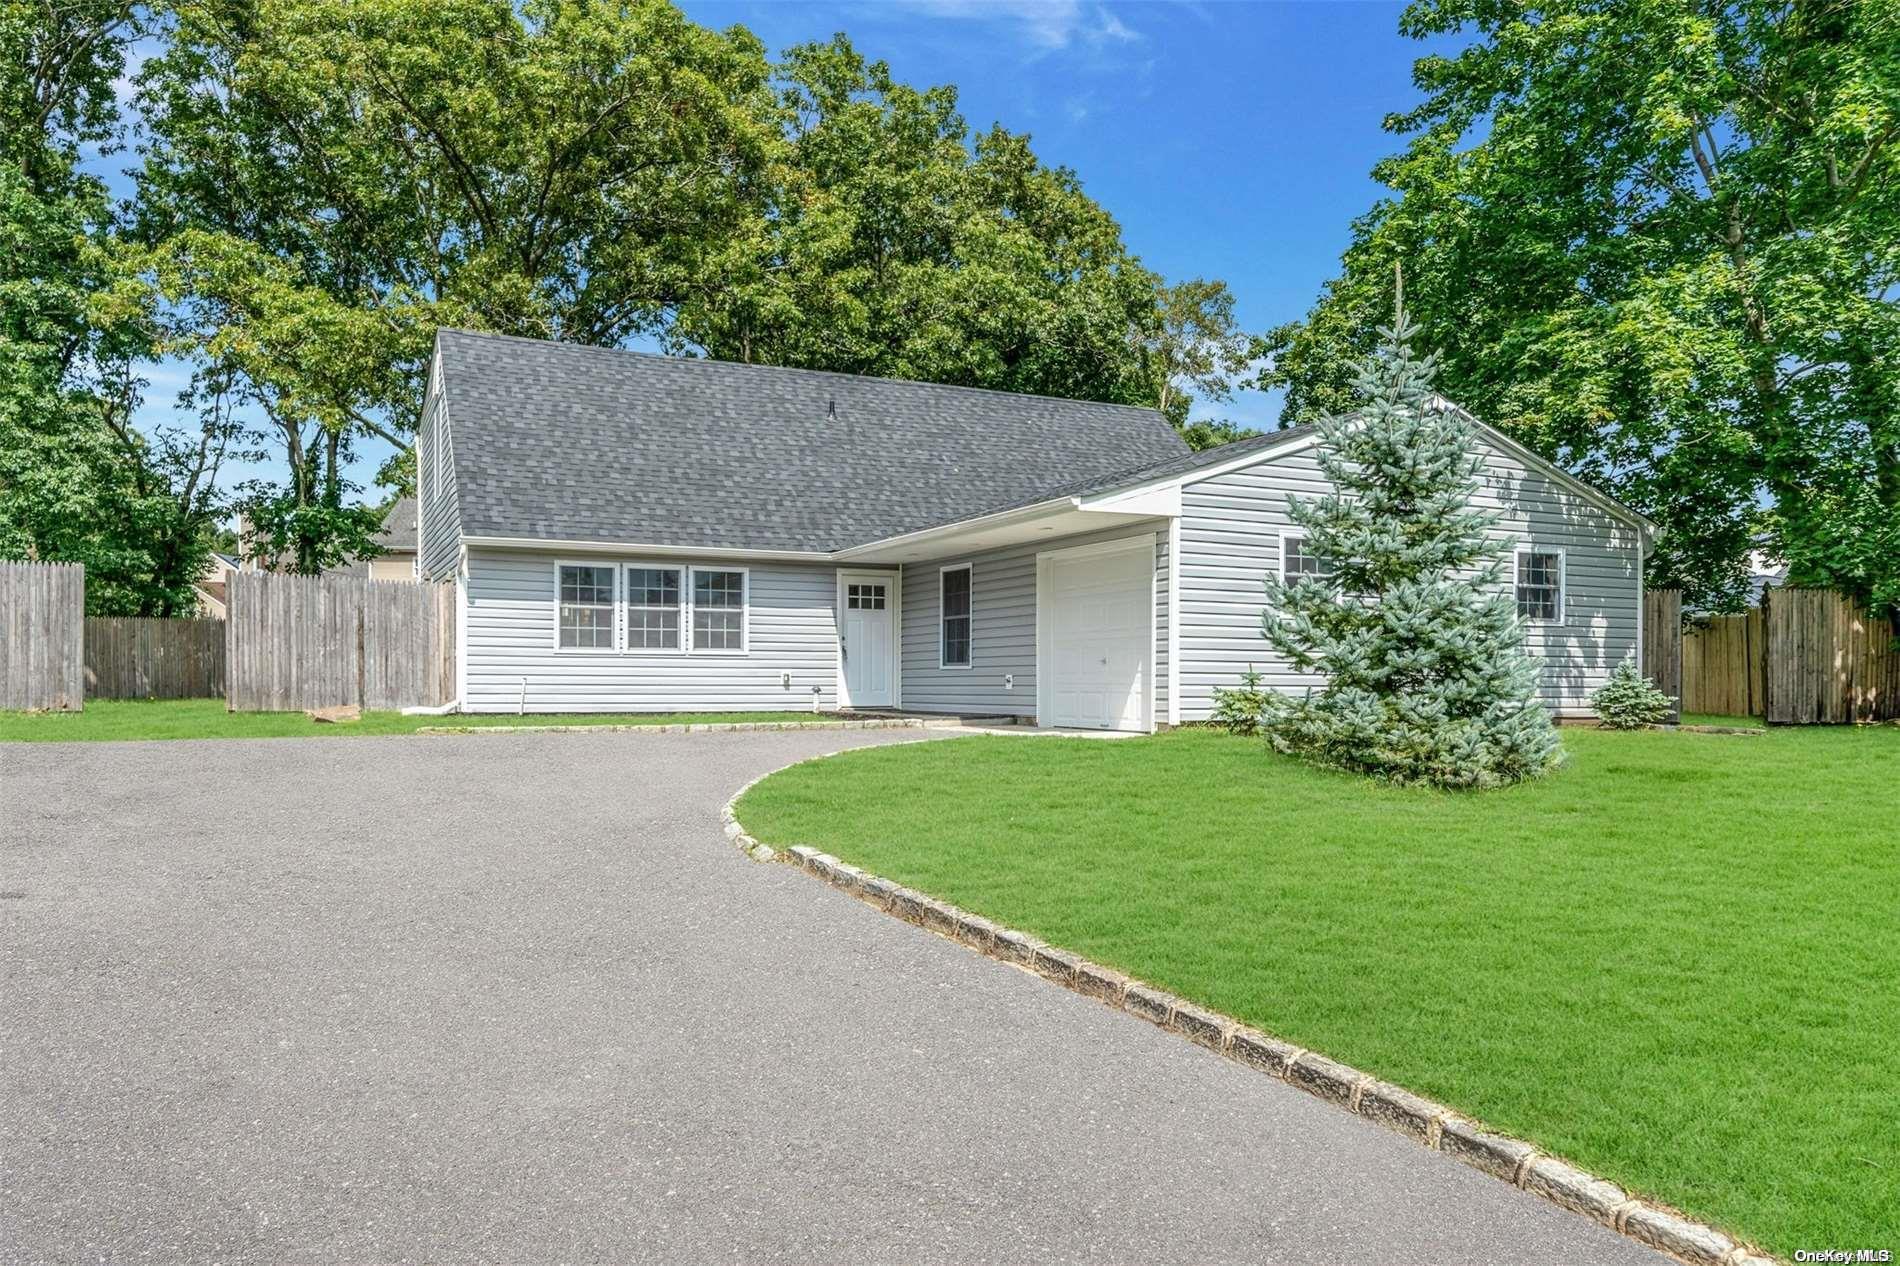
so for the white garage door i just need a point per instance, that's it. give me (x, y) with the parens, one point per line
(1099, 640)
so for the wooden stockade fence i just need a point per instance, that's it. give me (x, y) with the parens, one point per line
(1827, 661)
(129, 657)
(1661, 651)
(1804, 657)
(296, 642)
(1723, 662)
(42, 636)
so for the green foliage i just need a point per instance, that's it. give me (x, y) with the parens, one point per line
(889, 239)
(78, 481)
(326, 183)
(1238, 709)
(1426, 676)
(1208, 433)
(1196, 347)
(1659, 243)
(1629, 700)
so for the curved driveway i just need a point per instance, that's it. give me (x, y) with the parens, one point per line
(517, 999)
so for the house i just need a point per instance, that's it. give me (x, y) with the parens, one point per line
(211, 584)
(643, 533)
(397, 537)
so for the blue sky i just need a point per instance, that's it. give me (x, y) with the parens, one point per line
(1231, 140)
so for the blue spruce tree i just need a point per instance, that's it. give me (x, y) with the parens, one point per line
(1427, 680)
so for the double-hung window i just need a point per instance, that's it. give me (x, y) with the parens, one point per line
(1297, 560)
(719, 610)
(1540, 585)
(584, 617)
(955, 591)
(654, 608)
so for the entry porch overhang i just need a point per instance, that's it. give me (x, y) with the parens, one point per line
(1045, 521)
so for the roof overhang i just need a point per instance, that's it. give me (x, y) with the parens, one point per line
(625, 548)
(1043, 521)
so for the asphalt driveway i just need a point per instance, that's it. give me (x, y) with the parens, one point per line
(516, 998)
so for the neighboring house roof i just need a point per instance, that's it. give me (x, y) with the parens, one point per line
(559, 442)
(215, 588)
(398, 534)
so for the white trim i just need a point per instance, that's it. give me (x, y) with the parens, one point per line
(637, 550)
(745, 611)
(625, 624)
(613, 645)
(1133, 492)
(1156, 502)
(893, 582)
(996, 519)
(1642, 596)
(1045, 681)
(1174, 621)
(970, 617)
(1563, 583)
(1294, 534)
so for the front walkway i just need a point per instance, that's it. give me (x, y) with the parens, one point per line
(516, 998)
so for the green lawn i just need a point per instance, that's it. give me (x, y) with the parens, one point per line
(106, 719)
(1676, 961)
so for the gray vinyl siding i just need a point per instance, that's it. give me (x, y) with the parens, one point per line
(1002, 629)
(791, 628)
(1230, 540)
(438, 517)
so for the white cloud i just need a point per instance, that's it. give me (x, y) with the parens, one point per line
(1046, 24)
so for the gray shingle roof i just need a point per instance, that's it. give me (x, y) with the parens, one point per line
(399, 526)
(554, 441)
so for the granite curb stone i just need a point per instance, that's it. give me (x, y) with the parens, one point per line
(1394, 1107)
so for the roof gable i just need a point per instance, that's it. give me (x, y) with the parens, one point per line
(562, 442)
(1273, 445)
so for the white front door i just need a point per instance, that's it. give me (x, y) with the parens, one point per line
(867, 638)
(1099, 640)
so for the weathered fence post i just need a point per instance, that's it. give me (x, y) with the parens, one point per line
(1661, 650)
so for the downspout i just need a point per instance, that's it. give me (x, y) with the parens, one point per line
(1174, 620)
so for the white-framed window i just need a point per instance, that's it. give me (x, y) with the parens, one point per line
(1297, 560)
(656, 608)
(869, 596)
(719, 610)
(1540, 585)
(955, 591)
(584, 606)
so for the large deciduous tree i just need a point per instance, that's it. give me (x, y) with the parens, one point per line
(1661, 243)
(329, 180)
(79, 481)
(898, 243)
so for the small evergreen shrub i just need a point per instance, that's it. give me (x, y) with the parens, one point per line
(1238, 710)
(1629, 700)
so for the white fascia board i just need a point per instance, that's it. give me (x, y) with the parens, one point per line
(644, 550)
(1160, 501)
(924, 536)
